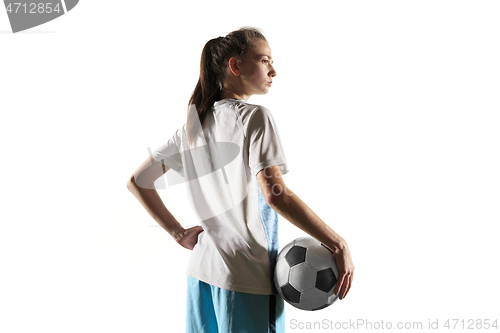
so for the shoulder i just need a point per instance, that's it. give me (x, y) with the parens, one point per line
(180, 132)
(252, 112)
(179, 136)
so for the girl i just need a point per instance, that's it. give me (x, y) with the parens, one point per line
(230, 155)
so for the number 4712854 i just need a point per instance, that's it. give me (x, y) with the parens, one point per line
(34, 8)
(470, 324)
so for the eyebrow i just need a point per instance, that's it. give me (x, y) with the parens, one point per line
(265, 55)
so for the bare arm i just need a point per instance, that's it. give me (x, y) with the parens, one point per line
(141, 185)
(286, 203)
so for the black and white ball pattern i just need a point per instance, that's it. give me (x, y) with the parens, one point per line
(306, 274)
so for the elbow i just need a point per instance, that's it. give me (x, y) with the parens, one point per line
(134, 184)
(130, 183)
(280, 196)
(275, 199)
(271, 200)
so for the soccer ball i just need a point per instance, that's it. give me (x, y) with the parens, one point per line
(305, 274)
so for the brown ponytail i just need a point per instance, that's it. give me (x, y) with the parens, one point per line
(213, 65)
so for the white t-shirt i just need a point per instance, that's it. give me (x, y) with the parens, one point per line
(238, 247)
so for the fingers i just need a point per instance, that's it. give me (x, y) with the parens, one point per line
(350, 283)
(198, 228)
(343, 284)
(346, 286)
(338, 285)
(345, 270)
(190, 237)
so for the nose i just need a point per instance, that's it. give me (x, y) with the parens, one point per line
(272, 73)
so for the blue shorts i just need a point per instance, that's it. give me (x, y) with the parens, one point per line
(214, 310)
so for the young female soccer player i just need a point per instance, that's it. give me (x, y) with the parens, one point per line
(232, 160)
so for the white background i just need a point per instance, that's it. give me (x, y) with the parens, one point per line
(389, 116)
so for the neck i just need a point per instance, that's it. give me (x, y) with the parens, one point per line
(236, 95)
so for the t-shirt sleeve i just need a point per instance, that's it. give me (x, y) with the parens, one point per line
(168, 153)
(265, 148)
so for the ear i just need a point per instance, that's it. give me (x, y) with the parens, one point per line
(234, 65)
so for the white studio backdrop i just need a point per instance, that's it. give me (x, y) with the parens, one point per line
(388, 112)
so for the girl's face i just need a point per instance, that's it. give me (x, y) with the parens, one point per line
(257, 72)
